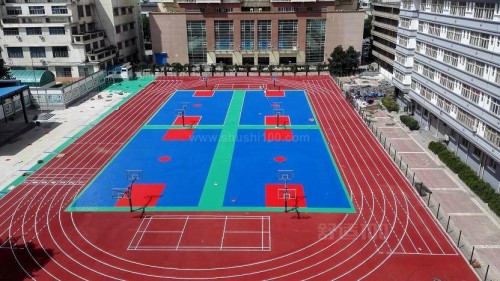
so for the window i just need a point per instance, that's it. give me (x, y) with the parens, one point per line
(36, 10)
(12, 11)
(421, 26)
(120, 45)
(74, 30)
(83, 28)
(33, 30)
(491, 163)
(126, 43)
(80, 12)
(197, 42)
(450, 58)
(10, 31)
(287, 9)
(315, 40)
(479, 39)
(132, 25)
(404, 22)
(475, 67)
(224, 10)
(437, 6)
(484, 10)
(60, 52)
(115, 12)
(406, 4)
(458, 8)
(497, 80)
(15, 52)
(125, 27)
(454, 34)
(447, 81)
(57, 31)
(401, 59)
(88, 11)
(224, 31)
(399, 75)
(287, 34)
(118, 29)
(264, 34)
(130, 10)
(434, 29)
(102, 43)
(59, 10)
(123, 10)
(431, 51)
(403, 41)
(63, 71)
(470, 93)
(88, 48)
(95, 45)
(464, 142)
(476, 152)
(37, 52)
(91, 26)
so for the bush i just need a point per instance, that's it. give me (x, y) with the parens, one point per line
(481, 188)
(411, 123)
(390, 104)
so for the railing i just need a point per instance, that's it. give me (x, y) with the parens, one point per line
(82, 38)
(480, 266)
(98, 55)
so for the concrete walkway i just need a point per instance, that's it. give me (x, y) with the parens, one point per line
(479, 226)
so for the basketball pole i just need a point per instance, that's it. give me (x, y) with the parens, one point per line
(130, 195)
(286, 196)
(182, 116)
(278, 124)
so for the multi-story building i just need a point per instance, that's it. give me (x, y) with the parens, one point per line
(71, 38)
(453, 50)
(384, 33)
(255, 31)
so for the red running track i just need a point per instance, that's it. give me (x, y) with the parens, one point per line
(392, 236)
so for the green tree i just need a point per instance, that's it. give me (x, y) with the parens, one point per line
(4, 71)
(336, 61)
(367, 30)
(352, 60)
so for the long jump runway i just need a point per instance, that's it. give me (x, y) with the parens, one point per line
(390, 236)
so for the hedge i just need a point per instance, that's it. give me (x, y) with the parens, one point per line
(468, 176)
(390, 104)
(411, 123)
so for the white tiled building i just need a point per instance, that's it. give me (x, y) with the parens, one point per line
(71, 38)
(448, 61)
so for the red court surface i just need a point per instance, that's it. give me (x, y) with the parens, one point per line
(188, 120)
(278, 135)
(392, 235)
(178, 134)
(275, 93)
(203, 94)
(143, 195)
(274, 120)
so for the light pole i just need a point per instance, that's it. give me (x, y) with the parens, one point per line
(274, 81)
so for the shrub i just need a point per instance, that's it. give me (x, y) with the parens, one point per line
(411, 123)
(481, 188)
(390, 104)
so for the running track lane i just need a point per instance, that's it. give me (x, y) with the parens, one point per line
(327, 258)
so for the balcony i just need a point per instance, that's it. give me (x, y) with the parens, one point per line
(35, 20)
(85, 37)
(384, 36)
(385, 15)
(102, 54)
(37, 1)
(208, 1)
(386, 26)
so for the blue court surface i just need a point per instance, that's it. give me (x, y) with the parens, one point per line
(228, 159)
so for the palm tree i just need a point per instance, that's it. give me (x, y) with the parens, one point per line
(248, 68)
(270, 68)
(306, 68)
(282, 69)
(320, 67)
(236, 69)
(201, 69)
(294, 69)
(152, 69)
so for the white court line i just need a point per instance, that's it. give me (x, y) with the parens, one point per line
(223, 233)
(183, 229)
(144, 232)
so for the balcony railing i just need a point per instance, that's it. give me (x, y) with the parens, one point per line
(36, 1)
(82, 38)
(101, 54)
(32, 20)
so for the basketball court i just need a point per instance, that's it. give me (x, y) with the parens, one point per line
(223, 150)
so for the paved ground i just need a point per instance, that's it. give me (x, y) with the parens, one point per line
(479, 225)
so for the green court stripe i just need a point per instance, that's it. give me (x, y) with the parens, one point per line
(211, 209)
(218, 127)
(131, 86)
(215, 185)
(353, 210)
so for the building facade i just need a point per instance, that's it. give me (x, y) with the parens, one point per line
(70, 38)
(384, 33)
(448, 60)
(255, 32)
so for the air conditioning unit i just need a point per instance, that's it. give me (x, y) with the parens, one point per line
(260, 9)
(18, 37)
(41, 36)
(251, 9)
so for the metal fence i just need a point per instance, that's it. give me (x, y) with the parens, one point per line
(467, 249)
